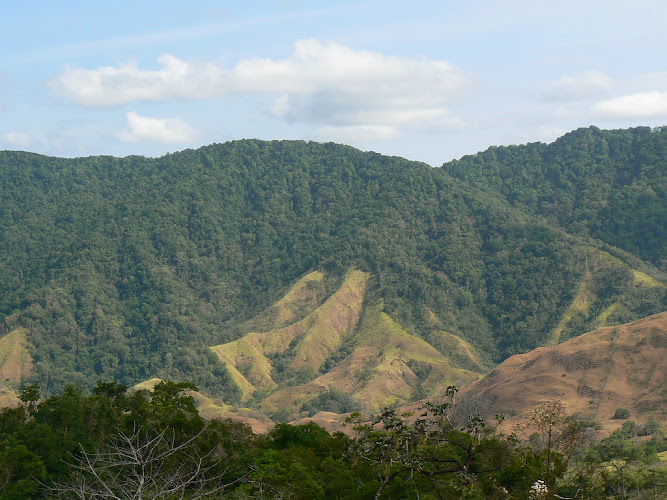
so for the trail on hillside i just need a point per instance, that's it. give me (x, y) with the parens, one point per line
(612, 349)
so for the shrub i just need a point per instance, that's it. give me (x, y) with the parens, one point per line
(621, 414)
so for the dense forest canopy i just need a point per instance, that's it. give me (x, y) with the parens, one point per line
(127, 268)
(120, 444)
(609, 184)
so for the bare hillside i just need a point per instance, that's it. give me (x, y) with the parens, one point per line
(593, 375)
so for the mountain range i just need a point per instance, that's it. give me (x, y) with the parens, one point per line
(291, 278)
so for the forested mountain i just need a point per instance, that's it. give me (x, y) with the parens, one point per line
(609, 184)
(131, 268)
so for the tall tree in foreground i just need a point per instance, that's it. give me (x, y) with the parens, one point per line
(432, 455)
(146, 465)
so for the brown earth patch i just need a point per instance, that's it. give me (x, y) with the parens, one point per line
(592, 375)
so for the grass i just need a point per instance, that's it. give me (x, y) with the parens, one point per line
(334, 321)
(390, 379)
(297, 301)
(585, 299)
(367, 354)
(147, 385)
(15, 360)
(601, 320)
(8, 397)
(301, 299)
(580, 305)
(377, 371)
(306, 344)
(642, 279)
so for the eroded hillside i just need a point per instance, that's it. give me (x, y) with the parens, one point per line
(347, 347)
(593, 375)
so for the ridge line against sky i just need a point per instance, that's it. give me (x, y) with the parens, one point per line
(429, 81)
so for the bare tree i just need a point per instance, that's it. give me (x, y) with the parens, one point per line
(144, 465)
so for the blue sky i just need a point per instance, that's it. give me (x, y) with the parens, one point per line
(426, 80)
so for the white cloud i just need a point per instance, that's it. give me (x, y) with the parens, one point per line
(281, 106)
(326, 84)
(17, 139)
(163, 130)
(581, 86)
(316, 66)
(110, 86)
(639, 105)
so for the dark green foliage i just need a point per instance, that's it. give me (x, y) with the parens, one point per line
(332, 400)
(130, 268)
(653, 427)
(40, 453)
(425, 456)
(628, 466)
(621, 414)
(20, 471)
(609, 184)
(432, 456)
(43, 443)
(306, 462)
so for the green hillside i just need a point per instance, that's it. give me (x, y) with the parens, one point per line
(609, 184)
(131, 268)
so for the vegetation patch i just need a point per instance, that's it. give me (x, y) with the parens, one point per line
(15, 360)
(607, 292)
(292, 355)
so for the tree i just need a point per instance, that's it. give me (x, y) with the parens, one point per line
(447, 460)
(30, 396)
(20, 471)
(558, 438)
(146, 465)
(621, 414)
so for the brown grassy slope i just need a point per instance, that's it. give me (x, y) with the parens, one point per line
(15, 365)
(342, 344)
(585, 303)
(302, 299)
(593, 375)
(387, 367)
(305, 344)
(8, 398)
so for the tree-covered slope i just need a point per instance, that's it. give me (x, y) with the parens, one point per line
(130, 268)
(609, 184)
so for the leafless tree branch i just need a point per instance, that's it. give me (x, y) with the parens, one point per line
(144, 465)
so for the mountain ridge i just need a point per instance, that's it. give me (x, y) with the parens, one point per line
(131, 268)
(609, 184)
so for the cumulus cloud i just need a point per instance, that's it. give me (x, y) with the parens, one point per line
(17, 139)
(639, 105)
(326, 84)
(581, 86)
(163, 130)
(111, 86)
